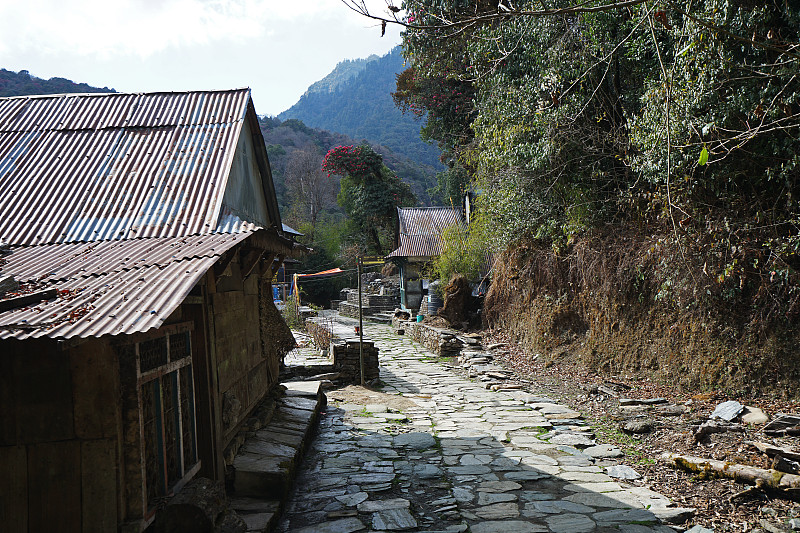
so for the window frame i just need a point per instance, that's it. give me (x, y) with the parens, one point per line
(172, 370)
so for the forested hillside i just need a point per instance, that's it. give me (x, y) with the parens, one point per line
(355, 99)
(22, 83)
(339, 76)
(638, 172)
(285, 137)
(339, 218)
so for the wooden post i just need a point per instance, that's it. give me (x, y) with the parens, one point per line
(360, 325)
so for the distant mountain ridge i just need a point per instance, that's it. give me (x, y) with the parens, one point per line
(356, 99)
(341, 74)
(22, 83)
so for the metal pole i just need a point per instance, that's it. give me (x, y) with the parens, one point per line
(360, 325)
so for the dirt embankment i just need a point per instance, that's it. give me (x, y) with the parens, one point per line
(638, 304)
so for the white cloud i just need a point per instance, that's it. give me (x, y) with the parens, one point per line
(141, 28)
(276, 47)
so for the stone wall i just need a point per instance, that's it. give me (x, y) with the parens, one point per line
(346, 360)
(260, 417)
(441, 341)
(386, 301)
(370, 303)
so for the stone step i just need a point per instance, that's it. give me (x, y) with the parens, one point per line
(259, 515)
(265, 466)
(383, 318)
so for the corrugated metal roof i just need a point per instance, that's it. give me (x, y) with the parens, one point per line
(110, 287)
(116, 200)
(427, 220)
(421, 230)
(97, 167)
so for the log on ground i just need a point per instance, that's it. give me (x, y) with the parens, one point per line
(762, 478)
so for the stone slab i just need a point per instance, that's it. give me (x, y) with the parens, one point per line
(416, 441)
(393, 520)
(507, 526)
(345, 525)
(373, 506)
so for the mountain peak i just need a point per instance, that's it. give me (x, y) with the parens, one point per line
(341, 74)
(355, 99)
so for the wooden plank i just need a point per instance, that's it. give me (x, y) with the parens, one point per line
(99, 485)
(204, 411)
(134, 497)
(8, 385)
(44, 393)
(25, 299)
(54, 486)
(213, 386)
(179, 327)
(95, 390)
(14, 488)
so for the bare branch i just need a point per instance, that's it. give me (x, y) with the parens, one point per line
(360, 7)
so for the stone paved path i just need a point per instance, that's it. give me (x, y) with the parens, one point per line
(460, 458)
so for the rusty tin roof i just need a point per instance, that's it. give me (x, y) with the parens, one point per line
(108, 287)
(116, 200)
(95, 167)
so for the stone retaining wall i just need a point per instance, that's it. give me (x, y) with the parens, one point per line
(351, 310)
(261, 416)
(441, 341)
(382, 301)
(346, 360)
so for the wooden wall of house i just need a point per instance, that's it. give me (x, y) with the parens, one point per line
(60, 435)
(246, 368)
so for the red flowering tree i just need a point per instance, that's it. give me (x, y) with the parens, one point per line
(370, 193)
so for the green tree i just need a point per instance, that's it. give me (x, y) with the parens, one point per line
(465, 251)
(370, 193)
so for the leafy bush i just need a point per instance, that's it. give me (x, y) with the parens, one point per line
(464, 251)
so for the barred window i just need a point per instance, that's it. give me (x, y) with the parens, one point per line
(167, 413)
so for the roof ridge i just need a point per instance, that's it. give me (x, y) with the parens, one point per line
(133, 93)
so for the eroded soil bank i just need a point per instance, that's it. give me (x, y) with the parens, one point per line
(636, 304)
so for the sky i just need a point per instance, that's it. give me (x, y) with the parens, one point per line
(277, 48)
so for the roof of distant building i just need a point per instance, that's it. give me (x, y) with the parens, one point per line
(420, 230)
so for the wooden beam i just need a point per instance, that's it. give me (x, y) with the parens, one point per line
(25, 299)
(217, 465)
(274, 266)
(222, 264)
(265, 266)
(250, 260)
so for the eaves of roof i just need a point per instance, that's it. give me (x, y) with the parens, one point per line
(110, 287)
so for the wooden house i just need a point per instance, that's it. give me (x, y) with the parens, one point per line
(419, 240)
(143, 233)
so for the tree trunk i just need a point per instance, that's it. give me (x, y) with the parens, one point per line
(759, 477)
(374, 233)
